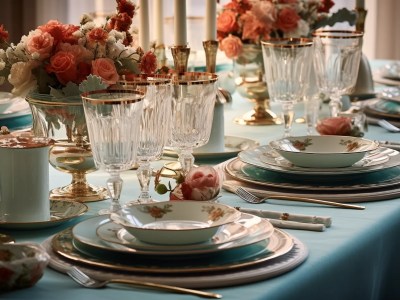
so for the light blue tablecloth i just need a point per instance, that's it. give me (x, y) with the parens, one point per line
(357, 258)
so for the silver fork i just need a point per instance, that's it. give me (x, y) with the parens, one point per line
(249, 197)
(388, 126)
(89, 282)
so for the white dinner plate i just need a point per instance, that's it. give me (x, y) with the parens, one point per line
(255, 175)
(261, 157)
(279, 244)
(60, 212)
(86, 238)
(233, 145)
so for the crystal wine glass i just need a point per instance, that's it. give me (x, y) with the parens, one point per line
(336, 61)
(287, 63)
(155, 125)
(113, 121)
(193, 101)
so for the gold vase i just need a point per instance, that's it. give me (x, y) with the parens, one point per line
(248, 72)
(64, 121)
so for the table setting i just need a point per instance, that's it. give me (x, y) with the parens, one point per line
(166, 202)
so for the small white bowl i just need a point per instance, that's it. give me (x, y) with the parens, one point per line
(175, 222)
(327, 151)
(21, 265)
(6, 100)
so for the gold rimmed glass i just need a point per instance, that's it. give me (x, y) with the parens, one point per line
(193, 101)
(113, 121)
(155, 125)
(336, 62)
(287, 63)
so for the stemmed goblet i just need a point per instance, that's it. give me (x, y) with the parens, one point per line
(336, 61)
(113, 121)
(155, 124)
(193, 101)
(287, 63)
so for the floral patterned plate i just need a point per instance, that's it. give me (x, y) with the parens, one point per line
(175, 222)
(323, 151)
(60, 212)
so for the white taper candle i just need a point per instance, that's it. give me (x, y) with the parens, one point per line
(180, 22)
(211, 20)
(159, 22)
(144, 38)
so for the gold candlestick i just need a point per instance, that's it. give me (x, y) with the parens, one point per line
(360, 20)
(180, 55)
(210, 48)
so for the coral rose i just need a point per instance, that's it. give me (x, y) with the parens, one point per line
(105, 68)
(55, 29)
(287, 19)
(41, 43)
(232, 46)
(227, 22)
(63, 64)
(335, 126)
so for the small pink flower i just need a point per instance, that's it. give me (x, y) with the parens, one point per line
(232, 46)
(97, 35)
(41, 43)
(201, 184)
(105, 68)
(334, 126)
(287, 19)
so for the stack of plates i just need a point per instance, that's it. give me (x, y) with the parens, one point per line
(249, 245)
(262, 170)
(387, 106)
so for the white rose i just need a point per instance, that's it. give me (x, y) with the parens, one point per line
(21, 78)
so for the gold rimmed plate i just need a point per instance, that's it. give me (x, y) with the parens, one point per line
(60, 212)
(279, 244)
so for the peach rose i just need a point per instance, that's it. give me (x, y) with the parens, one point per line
(105, 68)
(226, 22)
(232, 46)
(63, 64)
(54, 28)
(21, 78)
(287, 19)
(334, 126)
(41, 43)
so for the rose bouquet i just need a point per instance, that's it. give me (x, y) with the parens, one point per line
(250, 21)
(56, 58)
(201, 184)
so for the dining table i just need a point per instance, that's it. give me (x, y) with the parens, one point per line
(355, 258)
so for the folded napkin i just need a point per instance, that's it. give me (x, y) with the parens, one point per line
(292, 221)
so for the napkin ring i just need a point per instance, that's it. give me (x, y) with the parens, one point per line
(284, 216)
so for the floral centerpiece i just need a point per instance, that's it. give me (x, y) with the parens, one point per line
(200, 183)
(56, 58)
(251, 21)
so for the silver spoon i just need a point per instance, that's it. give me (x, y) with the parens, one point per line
(89, 282)
(249, 197)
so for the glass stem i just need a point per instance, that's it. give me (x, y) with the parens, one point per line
(335, 105)
(114, 186)
(144, 176)
(287, 116)
(186, 160)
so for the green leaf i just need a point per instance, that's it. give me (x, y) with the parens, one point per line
(92, 83)
(342, 15)
(128, 64)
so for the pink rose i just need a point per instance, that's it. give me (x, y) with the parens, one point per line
(226, 21)
(81, 53)
(335, 126)
(105, 68)
(64, 65)
(201, 184)
(54, 28)
(232, 46)
(287, 19)
(253, 28)
(67, 34)
(41, 43)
